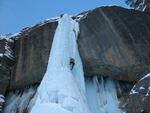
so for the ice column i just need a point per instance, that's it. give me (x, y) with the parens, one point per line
(62, 88)
(102, 96)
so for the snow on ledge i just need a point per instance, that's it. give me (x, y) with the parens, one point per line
(148, 75)
(8, 38)
(133, 92)
(49, 20)
(2, 98)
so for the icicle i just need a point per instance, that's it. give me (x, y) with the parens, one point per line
(17, 102)
(101, 95)
(91, 93)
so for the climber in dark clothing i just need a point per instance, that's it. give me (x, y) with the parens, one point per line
(72, 63)
(61, 15)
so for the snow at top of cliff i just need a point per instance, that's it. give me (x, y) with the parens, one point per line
(78, 17)
(8, 38)
(49, 20)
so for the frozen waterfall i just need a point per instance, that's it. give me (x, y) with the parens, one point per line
(62, 90)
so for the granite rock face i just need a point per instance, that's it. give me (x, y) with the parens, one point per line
(139, 97)
(115, 42)
(32, 49)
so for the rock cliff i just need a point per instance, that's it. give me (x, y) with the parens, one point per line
(31, 50)
(113, 42)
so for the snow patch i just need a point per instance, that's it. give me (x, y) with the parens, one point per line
(147, 94)
(141, 88)
(148, 75)
(2, 98)
(133, 92)
(81, 16)
(1, 54)
(8, 51)
(8, 38)
(16, 34)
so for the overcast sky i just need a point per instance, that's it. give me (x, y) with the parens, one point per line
(17, 14)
